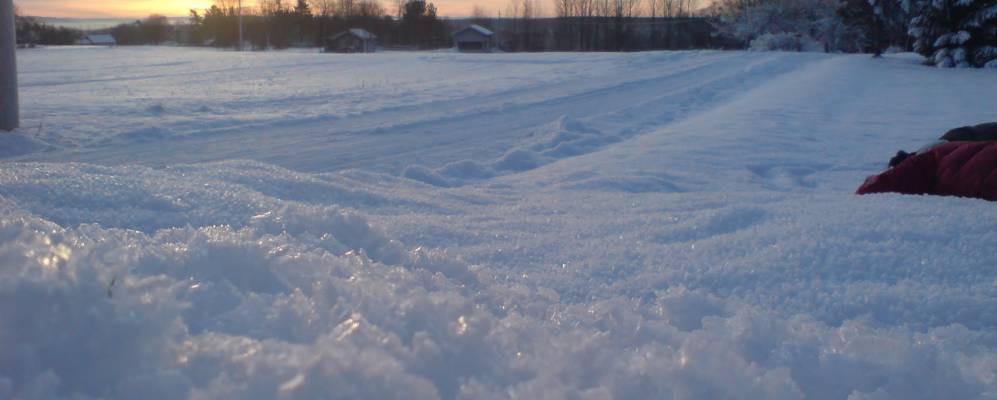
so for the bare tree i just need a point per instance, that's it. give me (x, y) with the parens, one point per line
(563, 8)
(523, 33)
(268, 8)
(668, 8)
(679, 8)
(368, 8)
(346, 8)
(325, 8)
(512, 9)
(227, 5)
(478, 12)
(480, 17)
(688, 7)
(632, 8)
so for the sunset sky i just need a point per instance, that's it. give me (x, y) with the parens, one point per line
(108, 8)
(141, 8)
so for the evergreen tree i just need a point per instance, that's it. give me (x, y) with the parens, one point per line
(421, 25)
(882, 23)
(956, 33)
(220, 26)
(303, 13)
(155, 29)
(196, 37)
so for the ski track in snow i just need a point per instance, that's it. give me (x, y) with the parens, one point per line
(182, 223)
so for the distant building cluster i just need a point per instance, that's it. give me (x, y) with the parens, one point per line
(953, 34)
(364, 26)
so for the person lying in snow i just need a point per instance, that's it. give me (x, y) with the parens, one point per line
(963, 163)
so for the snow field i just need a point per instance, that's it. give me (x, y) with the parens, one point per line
(690, 234)
(116, 96)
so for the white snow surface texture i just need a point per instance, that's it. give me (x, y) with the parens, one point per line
(180, 223)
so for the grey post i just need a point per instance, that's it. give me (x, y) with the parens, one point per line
(9, 112)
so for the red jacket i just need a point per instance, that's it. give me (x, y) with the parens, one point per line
(966, 169)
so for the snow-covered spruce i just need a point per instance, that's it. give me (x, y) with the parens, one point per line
(956, 33)
(798, 25)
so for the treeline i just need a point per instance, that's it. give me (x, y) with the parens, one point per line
(30, 32)
(273, 24)
(601, 25)
(627, 25)
(580, 25)
(153, 30)
(603, 33)
(948, 33)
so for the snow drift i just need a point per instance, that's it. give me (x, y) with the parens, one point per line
(271, 298)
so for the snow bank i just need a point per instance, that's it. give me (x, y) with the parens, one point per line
(17, 143)
(786, 42)
(269, 298)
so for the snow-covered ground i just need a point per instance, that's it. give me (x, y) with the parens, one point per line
(181, 223)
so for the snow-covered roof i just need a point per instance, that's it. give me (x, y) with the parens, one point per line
(99, 39)
(360, 33)
(477, 28)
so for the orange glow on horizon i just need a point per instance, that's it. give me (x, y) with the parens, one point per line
(181, 8)
(111, 8)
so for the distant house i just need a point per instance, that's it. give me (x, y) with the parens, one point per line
(98, 40)
(352, 41)
(474, 38)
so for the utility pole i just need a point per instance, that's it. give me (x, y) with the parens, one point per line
(240, 25)
(9, 112)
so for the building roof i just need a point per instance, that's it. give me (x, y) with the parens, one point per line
(360, 33)
(99, 39)
(477, 28)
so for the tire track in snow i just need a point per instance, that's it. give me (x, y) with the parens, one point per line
(207, 142)
(475, 135)
(634, 114)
